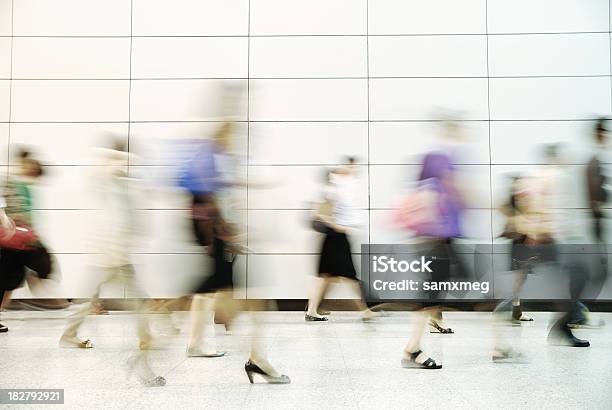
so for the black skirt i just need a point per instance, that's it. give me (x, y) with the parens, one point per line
(222, 273)
(13, 264)
(526, 257)
(336, 258)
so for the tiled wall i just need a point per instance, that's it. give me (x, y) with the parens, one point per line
(323, 78)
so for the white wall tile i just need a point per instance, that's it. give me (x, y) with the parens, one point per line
(290, 232)
(6, 17)
(290, 277)
(281, 276)
(5, 57)
(549, 54)
(72, 18)
(547, 16)
(307, 143)
(5, 99)
(428, 56)
(425, 99)
(187, 272)
(76, 140)
(431, 17)
(407, 142)
(286, 57)
(190, 17)
(64, 100)
(189, 57)
(183, 100)
(311, 17)
(549, 98)
(295, 187)
(299, 100)
(575, 139)
(71, 58)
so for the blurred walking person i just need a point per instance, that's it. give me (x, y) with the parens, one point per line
(337, 217)
(112, 240)
(586, 279)
(206, 176)
(20, 247)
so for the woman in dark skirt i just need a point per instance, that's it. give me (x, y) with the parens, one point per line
(339, 214)
(16, 210)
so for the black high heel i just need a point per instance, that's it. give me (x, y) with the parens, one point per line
(251, 368)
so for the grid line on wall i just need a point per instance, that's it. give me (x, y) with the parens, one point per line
(129, 123)
(542, 33)
(610, 47)
(248, 149)
(367, 77)
(489, 138)
(10, 113)
(367, 289)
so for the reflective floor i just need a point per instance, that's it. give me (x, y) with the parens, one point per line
(340, 364)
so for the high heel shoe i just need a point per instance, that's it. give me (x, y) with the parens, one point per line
(251, 368)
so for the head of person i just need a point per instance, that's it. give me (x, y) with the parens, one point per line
(31, 168)
(223, 135)
(552, 154)
(349, 166)
(601, 132)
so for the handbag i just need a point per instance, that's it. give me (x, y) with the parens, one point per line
(419, 211)
(325, 209)
(17, 237)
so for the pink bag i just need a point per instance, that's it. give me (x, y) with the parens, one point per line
(417, 210)
(17, 237)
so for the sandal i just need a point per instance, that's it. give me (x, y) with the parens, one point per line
(197, 352)
(79, 344)
(411, 362)
(311, 318)
(436, 328)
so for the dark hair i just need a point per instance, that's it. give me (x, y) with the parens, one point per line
(600, 129)
(350, 160)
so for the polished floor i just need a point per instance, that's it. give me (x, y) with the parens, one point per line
(340, 364)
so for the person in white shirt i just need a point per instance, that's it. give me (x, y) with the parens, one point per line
(336, 260)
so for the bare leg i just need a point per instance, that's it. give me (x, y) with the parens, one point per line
(70, 337)
(412, 356)
(360, 303)
(6, 299)
(317, 293)
(258, 353)
(519, 281)
(418, 327)
(202, 326)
